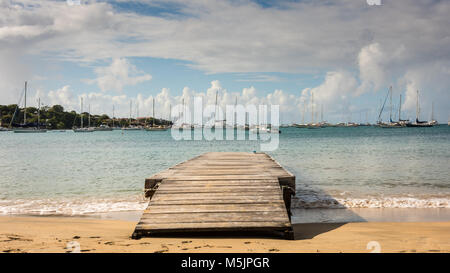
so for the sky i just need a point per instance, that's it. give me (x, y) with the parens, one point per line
(345, 52)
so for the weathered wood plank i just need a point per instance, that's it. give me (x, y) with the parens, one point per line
(215, 195)
(215, 208)
(210, 225)
(212, 217)
(214, 201)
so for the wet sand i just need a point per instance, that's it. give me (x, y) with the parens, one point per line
(64, 234)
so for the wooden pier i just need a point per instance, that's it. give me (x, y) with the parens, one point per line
(220, 191)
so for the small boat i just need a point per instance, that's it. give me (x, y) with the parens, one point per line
(302, 125)
(394, 124)
(313, 126)
(157, 128)
(132, 128)
(419, 123)
(26, 128)
(82, 129)
(391, 125)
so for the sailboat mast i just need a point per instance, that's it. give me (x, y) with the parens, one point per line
(321, 112)
(130, 113)
(215, 110)
(417, 106)
(303, 112)
(390, 102)
(89, 116)
(39, 112)
(153, 108)
(25, 106)
(113, 117)
(400, 109)
(312, 107)
(184, 119)
(81, 113)
(235, 112)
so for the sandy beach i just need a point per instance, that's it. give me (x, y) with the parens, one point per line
(53, 234)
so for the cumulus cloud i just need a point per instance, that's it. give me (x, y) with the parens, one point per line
(433, 81)
(62, 96)
(117, 75)
(230, 36)
(371, 62)
(373, 43)
(142, 105)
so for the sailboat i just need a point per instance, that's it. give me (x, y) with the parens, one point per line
(153, 127)
(25, 127)
(419, 123)
(433, 121)
(130, 127)
(303, 124)
(312, 125)
(393, 124)
(82, 129)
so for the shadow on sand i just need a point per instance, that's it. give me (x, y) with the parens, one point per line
(310, 230)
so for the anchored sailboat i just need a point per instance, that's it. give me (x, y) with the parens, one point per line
(29, 128)
(419, 123)
(393, 124)
(82, 129)
(131, 127)
(313, 125)
(153, 127)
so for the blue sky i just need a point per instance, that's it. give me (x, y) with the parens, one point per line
(278, 52)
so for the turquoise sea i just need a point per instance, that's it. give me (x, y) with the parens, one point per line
(66, 173)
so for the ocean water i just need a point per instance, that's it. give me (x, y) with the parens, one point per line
(65, 173)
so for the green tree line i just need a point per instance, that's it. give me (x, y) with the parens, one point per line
(55, 117)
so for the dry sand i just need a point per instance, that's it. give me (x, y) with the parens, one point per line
(52, 234)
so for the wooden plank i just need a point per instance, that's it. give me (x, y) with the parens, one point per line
(182, 183)
(211, 190)
(235, 187)
(214, 196)
(212, 201)
(212, 217)
(214, 208)
(210, 225)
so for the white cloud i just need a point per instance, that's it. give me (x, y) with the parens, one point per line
(372, 68)
(240, 37)
(118, 75)
(230, 36)
(433, 81)
(62, 96)
(100, 102)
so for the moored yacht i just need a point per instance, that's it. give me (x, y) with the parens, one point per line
(25, 127)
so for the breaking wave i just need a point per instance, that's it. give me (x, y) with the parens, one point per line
(372, 202)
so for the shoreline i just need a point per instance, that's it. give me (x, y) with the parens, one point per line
(53, 234)
(306, 215)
